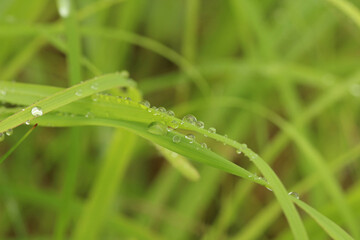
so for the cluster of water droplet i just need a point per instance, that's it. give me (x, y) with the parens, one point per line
(160, 128)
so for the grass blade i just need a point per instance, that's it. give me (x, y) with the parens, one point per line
(329, 226)
(12, 149)
(64, 97)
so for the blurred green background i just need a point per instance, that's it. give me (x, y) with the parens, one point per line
(299, 59)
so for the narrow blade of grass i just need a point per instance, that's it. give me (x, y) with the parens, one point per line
(12, 149)
(64, 97)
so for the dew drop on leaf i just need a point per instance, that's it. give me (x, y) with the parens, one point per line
(2, 137)
(95, 97)
(212, 130)
(170, 113)
(157, 128)
(294, 194)
(190, 137)
(89, 115)
(9, 132)
(94, 86)
(36, 111)
(124, 74)
(145, 103)
(79, 93)
(190, 119)
(176, 139)
(162, 109)
(174, 124)
(200, 124)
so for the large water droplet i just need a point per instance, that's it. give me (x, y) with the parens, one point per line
(176, 139)
(9, 132)
(190, 137)
(27, 122)
(36, 111)
(212, 130)
(238, 151)
(157, 128)
(190, 119)
(294, 194)
(2, 137)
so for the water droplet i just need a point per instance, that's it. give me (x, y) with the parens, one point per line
(190, 137)
(79, 93)
(294, 194)
(9, 132)
(238, 151)
(174, 124)
(36, 111)
(190, 119)
(27, 122)
(212, 130)
(95, 97)
(174, 154)
(264, 179)
(200, 124)
(2, 137)
(162, 109)
(64, 9)
(145, 103)
(155, 110)
(157, 128)
(176, 139)
(203, 145)
(94, 86)
(89, 115)
(171, 113)
(124, 74)
(269, 189)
